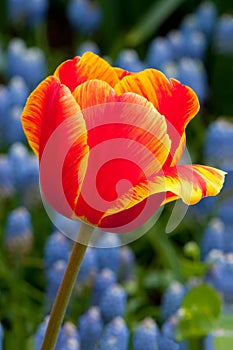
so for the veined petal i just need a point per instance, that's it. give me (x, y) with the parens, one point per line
(55, 128)
(127, 139)
(50, 104)
(189, 182)
(126, 117)
(178, 103)
(192, 182)
(80, 69)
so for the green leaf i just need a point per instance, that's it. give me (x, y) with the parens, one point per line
(193, 268)
(199, 312)
(151, 21)
(223, 340)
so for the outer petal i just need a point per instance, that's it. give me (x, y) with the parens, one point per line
(133, 142)
(47, 107)
(90, 66)
(56, 130)
(192, 182)
(178, 103)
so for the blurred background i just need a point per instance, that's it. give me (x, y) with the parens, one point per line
(163, 291)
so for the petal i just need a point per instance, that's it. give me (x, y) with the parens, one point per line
(178, 103)
(128, 143)
(80, 69)
(192, 182)
(130, 219)
(128, 117)
(56, 130)
(48, 106)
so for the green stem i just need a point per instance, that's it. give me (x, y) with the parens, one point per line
(66, 287)
(195, 344)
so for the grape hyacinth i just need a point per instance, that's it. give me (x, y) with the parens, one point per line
(88, 268)
(104, 280)
(113, 302)
(115, 335)
(221, 276)
(29, 63)
(54, 276)
(110, 257)
(219, 132)
(223, 35)
(146, 335)
(25, 170)
(213, 237)
(129, 60)
(90, 327)
(6, 178)
(172, 299)
(31, 12)
(57, 247)
(18, 236)
(84, 15)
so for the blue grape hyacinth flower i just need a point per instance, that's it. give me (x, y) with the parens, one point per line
(146, 335)
(223, 35)
(84, 15)
(115, 335)
(172, 299)
(219, 143)
(159, 52)
(103, 280)
(113, 302)
(90, 326)
(129, 60)
(6, 178)
(57, 247)
(18, 236)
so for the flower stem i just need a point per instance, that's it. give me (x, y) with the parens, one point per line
(66, 287)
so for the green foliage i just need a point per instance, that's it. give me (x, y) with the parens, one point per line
(199, 312)
(151, 21)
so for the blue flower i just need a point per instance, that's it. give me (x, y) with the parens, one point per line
(223, 34)
(84, 15)
(115, 335)
(104, 280)
(90, 326)
(146, 335)
(18, 235)
(219, 143)
(159, 52)
(129, 60)
(57, 247)
(172, 299)
(113, 302)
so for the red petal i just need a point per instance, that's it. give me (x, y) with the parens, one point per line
(128, 141)
(56, 130)
(90, 66)
(178, 103)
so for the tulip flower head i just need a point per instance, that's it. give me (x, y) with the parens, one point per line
(109, 143)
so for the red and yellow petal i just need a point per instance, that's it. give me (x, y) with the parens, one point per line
(126, 117)
(55, 129)
(178, 103)
(192, 182)
(49, 105)
(80, 69)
